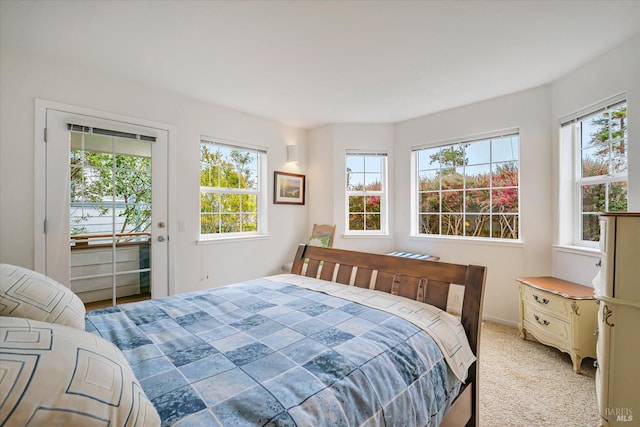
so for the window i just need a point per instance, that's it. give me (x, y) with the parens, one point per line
(469, 188)
(232, 196)
(366, 189)
(598, 141)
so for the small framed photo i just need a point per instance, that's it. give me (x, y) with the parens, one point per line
(288, 188)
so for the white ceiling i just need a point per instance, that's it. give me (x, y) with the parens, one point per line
(311, 62)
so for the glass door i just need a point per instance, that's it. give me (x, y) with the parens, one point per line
(106, 209)
(110, 216)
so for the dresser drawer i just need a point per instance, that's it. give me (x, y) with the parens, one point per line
(546, 328)
(546, 302)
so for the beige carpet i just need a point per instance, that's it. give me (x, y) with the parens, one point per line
(524, 383)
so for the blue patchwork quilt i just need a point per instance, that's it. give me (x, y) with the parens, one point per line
(268, 353)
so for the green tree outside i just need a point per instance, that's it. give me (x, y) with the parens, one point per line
(228, 202)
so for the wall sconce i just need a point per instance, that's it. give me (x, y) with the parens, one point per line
(292, 153)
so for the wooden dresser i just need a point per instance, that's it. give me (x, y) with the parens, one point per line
(560, 314)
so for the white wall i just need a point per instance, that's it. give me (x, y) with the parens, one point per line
(319, 175)
(615, 72)
(528, 111)
(327, 147)
(25, 78)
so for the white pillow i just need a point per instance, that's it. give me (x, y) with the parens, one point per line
(25, 293)
(53, 375)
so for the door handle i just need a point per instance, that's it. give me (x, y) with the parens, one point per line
(161, 239)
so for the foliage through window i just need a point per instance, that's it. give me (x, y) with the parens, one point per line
(366, 192)
(110, 185)
(602, 176)
(230, 189)
(469, 189)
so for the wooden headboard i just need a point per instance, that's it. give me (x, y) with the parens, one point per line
(422, 280)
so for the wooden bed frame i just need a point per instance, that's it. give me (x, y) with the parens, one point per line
(422, 280)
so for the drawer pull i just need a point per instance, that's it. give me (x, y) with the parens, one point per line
(542, 322)
(575, 308)
(596, 331)
(606, 313)
(599, 263)
(595, 363)
(540, 300)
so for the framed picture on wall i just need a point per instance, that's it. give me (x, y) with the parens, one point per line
(288, 188)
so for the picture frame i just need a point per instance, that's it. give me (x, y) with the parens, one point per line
(288, 188)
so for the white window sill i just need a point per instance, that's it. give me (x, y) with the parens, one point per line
(228, 239)
(578, 250)
(468, 240)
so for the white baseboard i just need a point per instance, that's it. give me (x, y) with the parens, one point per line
(501, 321)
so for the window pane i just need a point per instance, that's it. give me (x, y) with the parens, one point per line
(619, 156)
(355, 163)
(90, 184)
(505, 174)
(452, 178)
(373, 181)
(618, 122)
(477, 176)
(504, 226)
(373, 164)
(430, 202)
(478, 152)
(249, 222)
(617, 197)
(505, 149)
(372, 204)
(428, 180)
(372, 222)
(207, 203)
(209, 223)
(504, 200)
(356, 222)
(209, 166)
(429, 158)
(356, 204)
(230, 223)
(594, 129)
(429, 224)
(477, 225)
(355, 181)
(249, 203)
(133, 186)
(477, 201)
(452, 225)
(452, 201)
(595, 160)
(594, 198)
(590, 227)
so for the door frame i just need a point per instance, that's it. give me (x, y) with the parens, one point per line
(40, 163)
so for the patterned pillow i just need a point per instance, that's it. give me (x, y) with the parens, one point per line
(25, 293)
(58, 376)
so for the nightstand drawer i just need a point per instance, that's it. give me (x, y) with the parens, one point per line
(547, 302)
(548, 329)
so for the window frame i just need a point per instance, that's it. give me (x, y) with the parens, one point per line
(382, 193)
(416, 223)
(260, 191)
(575, 213)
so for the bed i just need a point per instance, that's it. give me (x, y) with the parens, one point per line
(298, 349)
